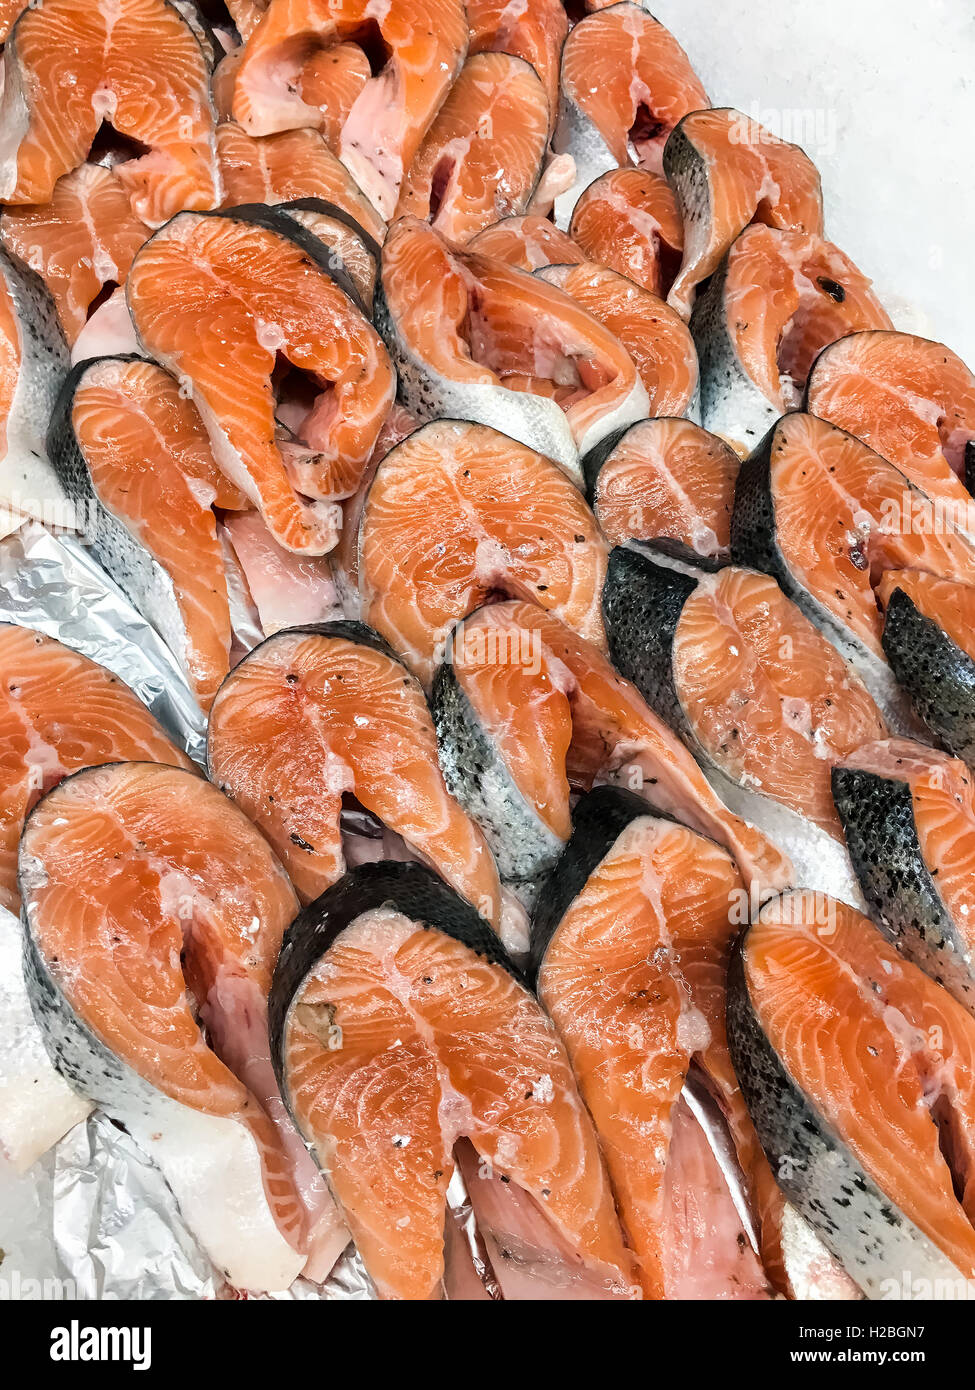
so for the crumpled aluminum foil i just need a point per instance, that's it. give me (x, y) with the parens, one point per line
(52, 584)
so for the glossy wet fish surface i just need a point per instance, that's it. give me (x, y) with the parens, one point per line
(550, 874)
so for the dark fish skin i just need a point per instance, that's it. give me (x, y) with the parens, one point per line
(642, 604)
(686, 170)
(970, 465)
(937, 674)
(753, 530)
(598, 820)
(873, 1240)
(754, 545)
(592, 461)
(327, 209)
(478, 778)
(878, 820)
(409, 888)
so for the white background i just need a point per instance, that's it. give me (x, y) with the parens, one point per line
(887, 89)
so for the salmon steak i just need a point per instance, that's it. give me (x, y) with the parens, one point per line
(628, 219)
(929, 640)
(458, 512)
(859, 1074)
(829, 520)
(132, 451)
(631, 945)
(527, 243)
(81, 243)
(221, 301)
(625, 83)
(136, 66)
(761, 697)
(655, 337)
(534, 32)
(911, 400)
(535, 587)
(667, 484)
(726, 172)
(400, 1027)
(152, 906)
(33, 360)
(61, 712)
(423, 44)
(777, 299)
(908, 815)
(293, 164)
(474, 339)
(334, 702)
(527, 712)
(482, 157)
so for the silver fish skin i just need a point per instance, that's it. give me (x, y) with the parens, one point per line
(873, 1240)
(140, 576)
(476, 776)
(39, 1107)
(27, 479)
(642, 602)
(731, 404)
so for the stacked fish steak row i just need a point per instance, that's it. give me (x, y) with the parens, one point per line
(577, 572)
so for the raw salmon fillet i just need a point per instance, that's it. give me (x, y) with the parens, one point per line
(124, 437)
(867, 1069)
(137, 64)
(668, 483)
(477, 339)
(534, 31)
(727, 171)
(218, 300)
(482, 157)
(540, 711)
(911, 400)
(330, 706)
(60, 712)
(527, 243)
(631, 966)
(149, 896)
(629, 220)
(400, 1027)
(459, 511)
(424, 46)
(81, 243)
(294, 164)
(626, 82)
(655, 337)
